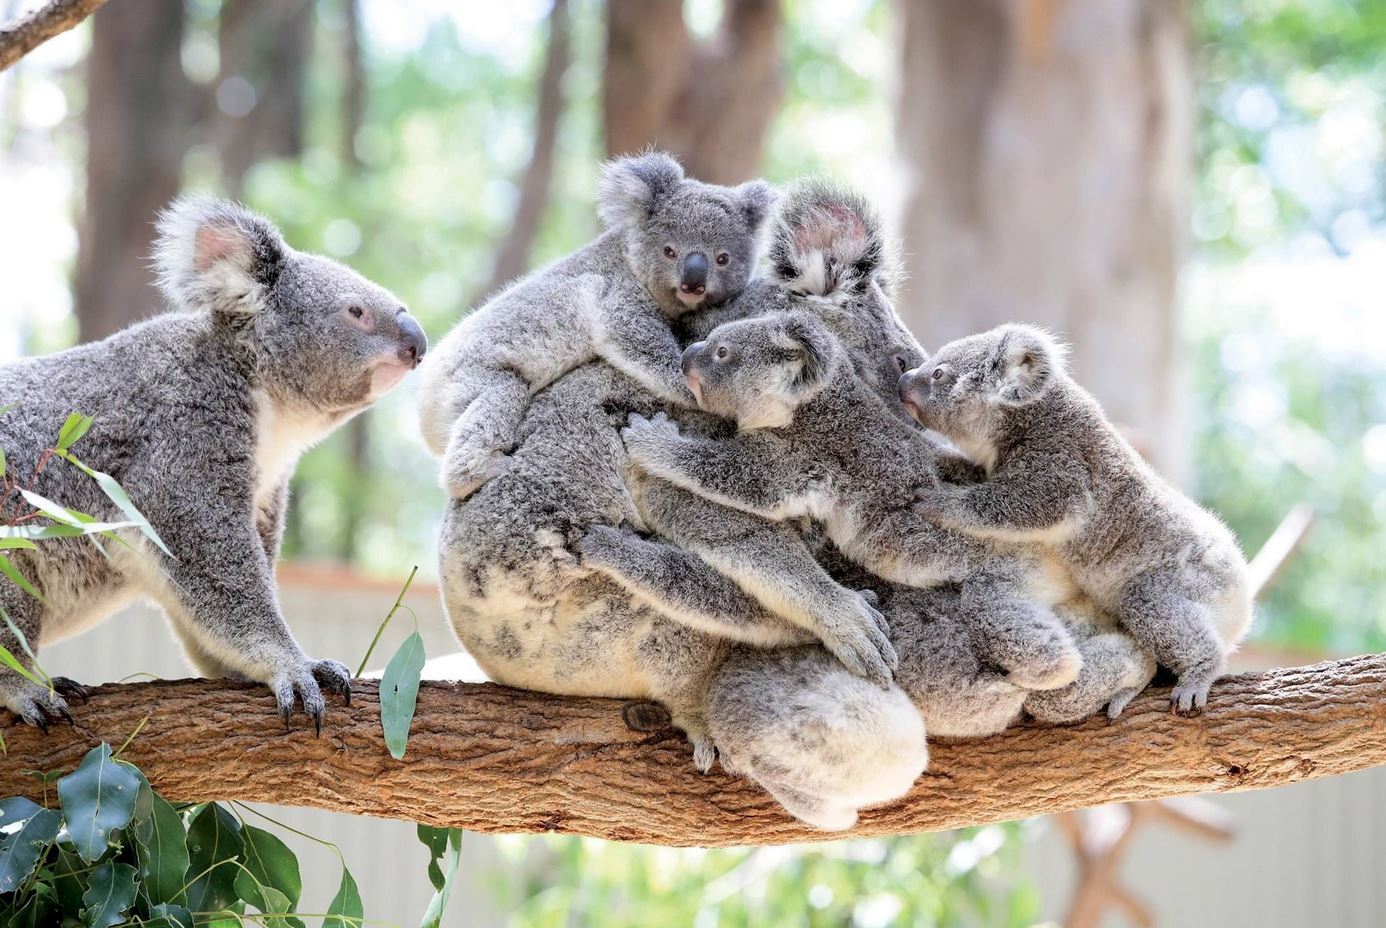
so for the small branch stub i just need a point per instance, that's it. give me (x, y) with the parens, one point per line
(493, 759)
(27, 33)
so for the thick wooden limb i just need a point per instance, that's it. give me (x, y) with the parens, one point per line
(492, 759)
(27, 33)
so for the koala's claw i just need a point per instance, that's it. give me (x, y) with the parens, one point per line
(305, 684)
(1189, 699)
(40, 707)
(334, 677)
(65, 686)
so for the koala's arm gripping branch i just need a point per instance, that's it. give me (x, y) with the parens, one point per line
(492, 759)
(27, 33)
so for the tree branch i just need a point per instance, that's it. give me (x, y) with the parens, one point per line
(27, 33)
(493, 759)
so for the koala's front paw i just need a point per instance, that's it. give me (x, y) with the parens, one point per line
(860, 639)
(933, 504)
(464, 474)
(1189, 696)
(602, 546)
(305, 682)
(40, 706)
(646, 437)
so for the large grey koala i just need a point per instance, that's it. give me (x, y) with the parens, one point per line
(1061, 475)
(672, 246)
(201, 416)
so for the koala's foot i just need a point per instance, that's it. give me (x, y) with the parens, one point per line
(1190, 695)
(1049, 668)
(859, 637)
(38, 705)
(305, 683)
(646, 716)
(468, 470)
(1121, 700)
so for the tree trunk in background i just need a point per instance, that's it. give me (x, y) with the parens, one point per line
(136, 136)
(1048, 147)
(710, 103)
(264, 47)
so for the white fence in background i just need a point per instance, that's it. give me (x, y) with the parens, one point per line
(1311, 854)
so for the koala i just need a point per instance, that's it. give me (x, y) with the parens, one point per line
(1061, 476)
(672, 246)
(201, 415)
(813, 441)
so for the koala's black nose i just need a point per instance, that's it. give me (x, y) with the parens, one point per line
(694, 279)
(413, 341)
(690, 354)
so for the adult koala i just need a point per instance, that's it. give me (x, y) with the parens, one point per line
(535, 616)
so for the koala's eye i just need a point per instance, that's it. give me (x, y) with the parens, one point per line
(670, 253)
(938, 373)
(723, 259)
(355, 312)
(722, 352)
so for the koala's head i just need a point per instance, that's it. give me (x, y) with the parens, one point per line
(758, 371)
(691, 244)
(829, 251)
(963, 390)
(323, 337)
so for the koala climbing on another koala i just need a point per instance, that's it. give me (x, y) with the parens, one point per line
(815, 442)
(1060, 475)
(672, 246)
(201, 416)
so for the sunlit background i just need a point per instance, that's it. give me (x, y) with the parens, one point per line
(396, 136)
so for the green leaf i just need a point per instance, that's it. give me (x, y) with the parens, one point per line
(2, 462)
(20, 851)
(116, 494)
(161, 850)
(98, 800)
(9, 570)
(213, 839)
(69, 877)
(8, 406)
(274, 868)
(11, 543)
(433, 917)
(17, 809)
(267, 899)
(345, 910)
(108, 896)
(38, 912)
(62, 530)
(12, 662)
(167, 915)
(436, 840)
(73, 429)
(399, 692)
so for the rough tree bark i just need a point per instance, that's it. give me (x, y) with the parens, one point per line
(137, 95)
(24, 35)
(708, 102)
(492, 759)
(1047, 146)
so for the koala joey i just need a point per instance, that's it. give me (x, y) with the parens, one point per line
(1061, 476)
(201, 416)
(813, 441)
(672, 245)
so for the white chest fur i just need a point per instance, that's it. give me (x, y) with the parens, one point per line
(281, 438)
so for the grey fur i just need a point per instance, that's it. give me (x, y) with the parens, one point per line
(614, 298)
(814, 441)
(1060, 475)
(201, 416)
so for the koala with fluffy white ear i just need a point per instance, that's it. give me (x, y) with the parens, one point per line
(201, 416)
(672, 246)
(1060, 475)
(814, 441)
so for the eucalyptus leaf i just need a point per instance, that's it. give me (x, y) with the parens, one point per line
(20, 851)
(117, 495)
(109, 895)
(399, 692)
(9, 570)
(433, 916)
(69, 877)
(168, 915)
(17, 809)
(267, 899)
(214, 840)
(73, 429)
(274, 869)
(9, 544)
(436, 840)
(98, 799)
(12, 662)
(346, 910)
(161, 850)
(37, 912)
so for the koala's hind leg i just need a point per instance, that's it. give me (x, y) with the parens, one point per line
(34, 703)
(1180, 633)
(1019, 635)
(685, 588)
(486, 431)
(1114, 671)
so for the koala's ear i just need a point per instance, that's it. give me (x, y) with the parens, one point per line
(1026, 361)
(756, 199)
(829, 242)
(216, 255)
(630, 187)
(812, 346)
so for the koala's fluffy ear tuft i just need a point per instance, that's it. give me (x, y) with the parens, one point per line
(813, 346)
(757, 199)
(1026, 361)
(829, 242)
(631, 186)
(216, 255)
